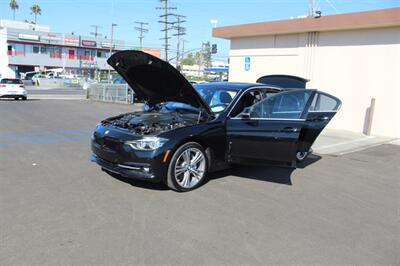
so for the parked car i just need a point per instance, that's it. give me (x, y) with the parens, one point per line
(186, 132)
(13, 88)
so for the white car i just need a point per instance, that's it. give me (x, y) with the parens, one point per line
(13, 88)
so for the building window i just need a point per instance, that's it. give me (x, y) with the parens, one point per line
(43, 49)
(35, 49)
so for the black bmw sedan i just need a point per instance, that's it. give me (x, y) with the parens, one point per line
(185, 132)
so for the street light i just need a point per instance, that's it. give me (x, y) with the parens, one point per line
(214, 22)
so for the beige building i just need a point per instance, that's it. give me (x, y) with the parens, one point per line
(354, 56)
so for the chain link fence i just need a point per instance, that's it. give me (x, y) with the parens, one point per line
(115, 93)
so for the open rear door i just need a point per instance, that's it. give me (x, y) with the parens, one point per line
(320, 112)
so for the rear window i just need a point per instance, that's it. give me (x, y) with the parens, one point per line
(11, 81)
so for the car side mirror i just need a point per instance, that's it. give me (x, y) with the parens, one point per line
(246, 114)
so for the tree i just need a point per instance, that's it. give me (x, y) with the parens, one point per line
(206, 51)
(36, 10)
(14, 6)
(189, 60)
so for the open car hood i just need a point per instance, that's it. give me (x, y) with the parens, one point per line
(155, 80)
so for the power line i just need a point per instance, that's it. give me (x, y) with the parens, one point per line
(142, 30)
(166, 8)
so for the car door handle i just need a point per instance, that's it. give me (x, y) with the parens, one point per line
(289, 129)
(321, 118)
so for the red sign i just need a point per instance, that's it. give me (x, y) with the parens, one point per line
(71, 40)
(89, 43)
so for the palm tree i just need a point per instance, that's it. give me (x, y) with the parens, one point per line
(13, 6)
(36, 10)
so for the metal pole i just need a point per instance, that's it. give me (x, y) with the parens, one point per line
(370, 117)
(111, 49)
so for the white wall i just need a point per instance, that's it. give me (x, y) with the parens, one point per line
(352, 65)
(5, 71)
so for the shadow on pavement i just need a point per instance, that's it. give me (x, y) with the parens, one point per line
(274, 174)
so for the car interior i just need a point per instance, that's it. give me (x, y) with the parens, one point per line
(249, 99)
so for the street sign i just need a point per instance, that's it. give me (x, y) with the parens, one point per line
(247, 61)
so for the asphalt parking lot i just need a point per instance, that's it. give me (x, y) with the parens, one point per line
(58, 208)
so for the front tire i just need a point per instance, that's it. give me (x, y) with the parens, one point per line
(188, 167)
(301, 156)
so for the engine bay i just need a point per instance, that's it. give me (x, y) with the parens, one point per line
(146, 123)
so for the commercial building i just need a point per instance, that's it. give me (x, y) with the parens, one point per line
(200, 71)
(354, 56)
(26, 47)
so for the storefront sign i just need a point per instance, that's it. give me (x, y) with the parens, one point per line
(71, 40)
(88, 43)
(51, 37)
(106, 45)
(28, 37)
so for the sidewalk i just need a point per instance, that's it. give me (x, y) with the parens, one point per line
(339, 142)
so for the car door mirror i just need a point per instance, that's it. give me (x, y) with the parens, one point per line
(246, 114)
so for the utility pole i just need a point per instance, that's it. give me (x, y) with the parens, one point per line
(166, 8)
(142, 30)
(313, 9)
(183, 46)
(180, 31)
(96, 31)
(111, 49)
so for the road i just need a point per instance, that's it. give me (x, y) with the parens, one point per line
(57, 208)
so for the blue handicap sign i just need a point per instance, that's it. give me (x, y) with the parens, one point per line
(247, 63)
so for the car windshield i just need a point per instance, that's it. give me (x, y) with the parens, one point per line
(217, 98)
(11, 81)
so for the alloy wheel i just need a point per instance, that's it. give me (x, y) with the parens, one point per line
(190, 168)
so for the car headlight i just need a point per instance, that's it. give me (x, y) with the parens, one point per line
(147, 143)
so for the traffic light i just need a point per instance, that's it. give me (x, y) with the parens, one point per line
(214, 49)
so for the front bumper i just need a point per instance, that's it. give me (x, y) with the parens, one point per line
(135, 171)
(12, 95)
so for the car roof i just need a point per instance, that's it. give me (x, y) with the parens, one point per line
(238, 86)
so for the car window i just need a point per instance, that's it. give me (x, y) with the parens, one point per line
(217, 99)
(324, 103)
(11, 81)
(248, 99)
(285, 105)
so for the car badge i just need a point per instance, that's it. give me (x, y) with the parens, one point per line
(107, 131)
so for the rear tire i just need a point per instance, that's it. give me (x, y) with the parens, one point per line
(188, 167)
(24, 98)
(301, 156)
(16, 98)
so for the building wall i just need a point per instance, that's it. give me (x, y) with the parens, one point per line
(5, 70)
(353, 65)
